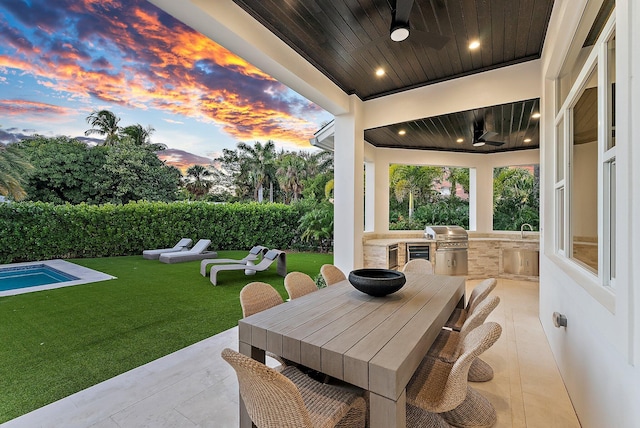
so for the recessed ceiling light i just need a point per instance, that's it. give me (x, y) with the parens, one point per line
(527, 140)
(474, 44)
(402, 132)
(535, 115)
(380, 72)
(459, 140)
(478, 144)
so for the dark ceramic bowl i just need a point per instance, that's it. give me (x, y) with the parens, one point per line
(377, 282)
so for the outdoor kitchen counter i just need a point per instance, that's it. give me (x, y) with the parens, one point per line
(486, 251)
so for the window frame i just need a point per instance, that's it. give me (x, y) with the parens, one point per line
(597, 61)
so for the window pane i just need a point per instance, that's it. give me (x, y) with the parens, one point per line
(427, 195)
(560, 151)
(611, 92)
(560, 219)
(584, 179)
(611, 211)
(516, 197)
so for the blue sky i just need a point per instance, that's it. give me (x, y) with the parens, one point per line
(62, 59)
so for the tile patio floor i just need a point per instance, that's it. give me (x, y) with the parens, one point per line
(194, 387)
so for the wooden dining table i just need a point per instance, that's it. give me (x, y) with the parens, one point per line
(375, 343)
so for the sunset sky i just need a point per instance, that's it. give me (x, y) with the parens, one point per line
(61, 59)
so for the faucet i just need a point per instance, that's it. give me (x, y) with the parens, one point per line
(522, 229)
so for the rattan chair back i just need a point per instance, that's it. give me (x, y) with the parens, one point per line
(331, 274)
(299, 284)
(271, 399)
(419, 266)
(257, 296)
(479, 293)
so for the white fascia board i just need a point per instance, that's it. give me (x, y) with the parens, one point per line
(227, 24)
(500, 86)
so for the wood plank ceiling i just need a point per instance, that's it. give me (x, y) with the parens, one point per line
(348, 40)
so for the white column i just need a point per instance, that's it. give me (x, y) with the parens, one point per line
(382, 193)
(473, 199)
(484, 197)
(370, 196)
(349, 187)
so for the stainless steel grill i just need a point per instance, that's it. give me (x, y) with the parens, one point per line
(452, 243)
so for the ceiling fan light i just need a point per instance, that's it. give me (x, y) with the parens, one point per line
(399, 32)
(478, 144)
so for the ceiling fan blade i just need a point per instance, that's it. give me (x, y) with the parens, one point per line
(487, 134)
(431, 40)
(402, 11)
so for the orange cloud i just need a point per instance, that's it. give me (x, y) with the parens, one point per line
(144, 63)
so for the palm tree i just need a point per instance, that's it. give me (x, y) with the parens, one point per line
(13, 168)
(412, 181)
(199, 184)
(104, 122)
(290, 173)
(261, 166)
(139, 135)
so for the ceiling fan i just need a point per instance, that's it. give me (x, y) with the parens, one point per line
(482, 137)
(400, 29)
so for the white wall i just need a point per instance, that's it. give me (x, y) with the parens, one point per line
(596, 353)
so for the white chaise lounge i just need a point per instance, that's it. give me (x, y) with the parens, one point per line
(182, 245)
(198, 252)
(280, 257)
(251, 258)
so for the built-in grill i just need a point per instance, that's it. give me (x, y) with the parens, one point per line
(452, 243)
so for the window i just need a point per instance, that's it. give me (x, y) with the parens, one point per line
(516, 197)
(585, 163)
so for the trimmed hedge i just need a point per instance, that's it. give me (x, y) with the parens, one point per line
(41, 231)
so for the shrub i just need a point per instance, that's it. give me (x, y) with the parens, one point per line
(40, 231)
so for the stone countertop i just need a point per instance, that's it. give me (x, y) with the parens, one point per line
(473, 236)
(385, 242)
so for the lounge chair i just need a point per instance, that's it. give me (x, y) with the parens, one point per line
(272, 256)
(182, 245)
(254, 255)
(198, 252)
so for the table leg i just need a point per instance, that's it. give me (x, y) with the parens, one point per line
(250, 271)
(386, 413)
(258, 355)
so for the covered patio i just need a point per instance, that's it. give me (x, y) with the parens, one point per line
(598, 353)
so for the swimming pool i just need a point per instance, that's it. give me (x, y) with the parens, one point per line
(30, 276)
(18, 278)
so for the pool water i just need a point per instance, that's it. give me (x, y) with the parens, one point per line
(31, 276)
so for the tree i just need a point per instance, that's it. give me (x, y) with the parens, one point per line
(135, 173)
(139, 135)
(105, 123)
(290, 174)
(407, 181)
(68, 171)
(260, 160)
(198, 181)
(13, 171)
(63, 170)
(516, 198)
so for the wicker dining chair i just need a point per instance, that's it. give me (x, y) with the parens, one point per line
(299, 284)
(442, 387)
(256, 297)
(479, 293)
(332, 274)
(419, 266)
(291, 399)
(448, 345)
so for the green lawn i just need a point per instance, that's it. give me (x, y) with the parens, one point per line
(58, 342)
